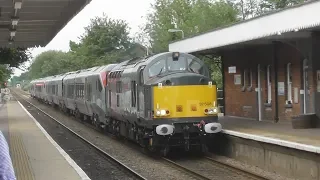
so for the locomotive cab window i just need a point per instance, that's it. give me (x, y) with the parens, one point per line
(196, 67)
(157, 68)
(176, 65)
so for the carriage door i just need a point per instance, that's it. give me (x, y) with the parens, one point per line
(87, 95)
(140, 91)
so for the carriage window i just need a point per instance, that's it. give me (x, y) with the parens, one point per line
(179, 65)
(157, 68)
(99, 86)
(89, 92)
(133, 93)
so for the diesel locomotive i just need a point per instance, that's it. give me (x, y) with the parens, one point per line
(159, 101)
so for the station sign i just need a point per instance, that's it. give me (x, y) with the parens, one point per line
(232, 69)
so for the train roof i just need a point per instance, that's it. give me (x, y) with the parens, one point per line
(138, 61)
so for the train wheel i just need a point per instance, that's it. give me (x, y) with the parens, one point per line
(78, 115)
(96, 121)
(204, 148)
(164, 151)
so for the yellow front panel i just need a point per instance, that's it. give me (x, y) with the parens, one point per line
(184, 101)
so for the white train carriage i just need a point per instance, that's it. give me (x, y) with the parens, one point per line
(82, 98)
(40, 89)
(32, 89)
(96, 84)
(58, 92)
(49, 90)
(69, 92)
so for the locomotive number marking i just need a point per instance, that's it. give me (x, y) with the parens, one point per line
(205, 104)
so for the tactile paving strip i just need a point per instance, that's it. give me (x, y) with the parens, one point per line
(20, 159)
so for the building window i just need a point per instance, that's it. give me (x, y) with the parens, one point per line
(289, 84)
(269, 84)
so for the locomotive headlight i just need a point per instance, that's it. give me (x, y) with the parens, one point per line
(212, 127)
(164, 129)
(212, 110)
(162, 112)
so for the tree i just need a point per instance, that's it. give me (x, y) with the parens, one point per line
(105, 41)
(269, 5)
(14, 57)
(252, 8)
(50, 63)
(5, 73)
(191, 16)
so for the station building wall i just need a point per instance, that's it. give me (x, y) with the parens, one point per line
(241, 98)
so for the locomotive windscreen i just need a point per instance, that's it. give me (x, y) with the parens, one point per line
(185, 62)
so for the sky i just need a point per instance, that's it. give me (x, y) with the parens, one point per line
(132, 11)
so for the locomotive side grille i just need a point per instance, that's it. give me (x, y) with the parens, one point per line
(179, 108)
(193, 107)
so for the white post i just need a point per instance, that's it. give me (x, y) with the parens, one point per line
(304, 86)
(259, 93)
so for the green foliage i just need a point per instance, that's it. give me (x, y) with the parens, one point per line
(14, 57)
(191, 16)
(105, 41)
(50, 63)
(11, 57)
(251, 8)
(5, 73)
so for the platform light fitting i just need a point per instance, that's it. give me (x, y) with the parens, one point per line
(17, 5)
(13, 33)
(15, 22)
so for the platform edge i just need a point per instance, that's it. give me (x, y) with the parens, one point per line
(293, 145)
(72, 163)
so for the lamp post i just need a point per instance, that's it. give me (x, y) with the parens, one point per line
(177, 30)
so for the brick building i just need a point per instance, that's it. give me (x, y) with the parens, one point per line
(270, 63)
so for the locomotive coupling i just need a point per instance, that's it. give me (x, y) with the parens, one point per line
(212, 128)
(164, 129)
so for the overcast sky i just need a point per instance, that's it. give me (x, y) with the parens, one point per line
(131, 11)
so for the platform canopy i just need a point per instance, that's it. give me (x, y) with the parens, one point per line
(30, 23)
(290, 23)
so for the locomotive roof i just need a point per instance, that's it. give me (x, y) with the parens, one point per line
(139, 60)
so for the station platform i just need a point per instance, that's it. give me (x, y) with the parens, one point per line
(34, 154)
(280, 133)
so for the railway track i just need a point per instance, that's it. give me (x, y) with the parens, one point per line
(176, 165)
(187, 170)
(102, 152)
(249, 175)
